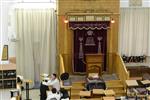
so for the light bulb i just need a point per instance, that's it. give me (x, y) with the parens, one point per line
(66, 21)
(112, 20)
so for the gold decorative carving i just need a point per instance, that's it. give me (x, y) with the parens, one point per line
(88, 18)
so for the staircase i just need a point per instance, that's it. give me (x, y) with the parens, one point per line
(117, 86)
(76, 88)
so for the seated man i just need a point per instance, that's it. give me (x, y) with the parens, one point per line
(53, 95)
(53, 81)
(95, 82)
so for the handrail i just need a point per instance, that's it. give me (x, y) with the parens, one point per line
(120, 69)
(124, 67)
(61, 67)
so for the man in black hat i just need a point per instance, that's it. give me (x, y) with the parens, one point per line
(53, 82)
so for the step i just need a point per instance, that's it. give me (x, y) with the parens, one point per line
(115, 86)
(77, 88)
(79, 82)
(75, 97)
(114, 81)
(75, 92)
(78, 85)
(119, 91)
(121, 94)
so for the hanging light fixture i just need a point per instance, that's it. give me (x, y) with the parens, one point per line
(66, 20)
(112, 21)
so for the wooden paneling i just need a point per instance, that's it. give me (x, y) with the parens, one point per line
(64, 6)
(61, 66)
(65, 35)
(94, 63)
(120, 68)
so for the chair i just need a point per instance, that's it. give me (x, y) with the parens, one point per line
(15, 94)
(94, 69)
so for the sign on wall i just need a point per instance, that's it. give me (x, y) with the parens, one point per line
(5, 53)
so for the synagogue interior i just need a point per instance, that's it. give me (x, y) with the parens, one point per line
(75, 50)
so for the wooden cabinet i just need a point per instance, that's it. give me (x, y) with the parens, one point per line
(94, 63)
(8, 76)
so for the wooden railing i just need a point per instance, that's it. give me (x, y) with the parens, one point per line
(61, 66)
(120, 68)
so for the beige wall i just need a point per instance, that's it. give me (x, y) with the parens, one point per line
(65, 35)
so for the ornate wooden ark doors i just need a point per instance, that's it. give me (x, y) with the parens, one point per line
(89, 38)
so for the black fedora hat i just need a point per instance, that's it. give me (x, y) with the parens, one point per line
(64, 76)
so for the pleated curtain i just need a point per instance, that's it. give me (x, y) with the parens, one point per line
(36, 48)
(134, 31)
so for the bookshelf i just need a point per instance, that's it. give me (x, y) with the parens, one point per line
(7, 76)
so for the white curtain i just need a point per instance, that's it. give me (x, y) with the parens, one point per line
(134, 31)
(36, 48)
(149, 35)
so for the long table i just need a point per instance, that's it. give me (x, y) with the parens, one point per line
(138, 87)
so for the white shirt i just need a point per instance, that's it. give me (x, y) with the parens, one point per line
(51, 95)
(54, 83)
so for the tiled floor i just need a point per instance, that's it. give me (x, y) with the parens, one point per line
(5, 94)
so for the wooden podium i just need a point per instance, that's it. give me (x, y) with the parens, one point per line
(94, 63)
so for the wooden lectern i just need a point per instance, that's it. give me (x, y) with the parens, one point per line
(94, 63)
